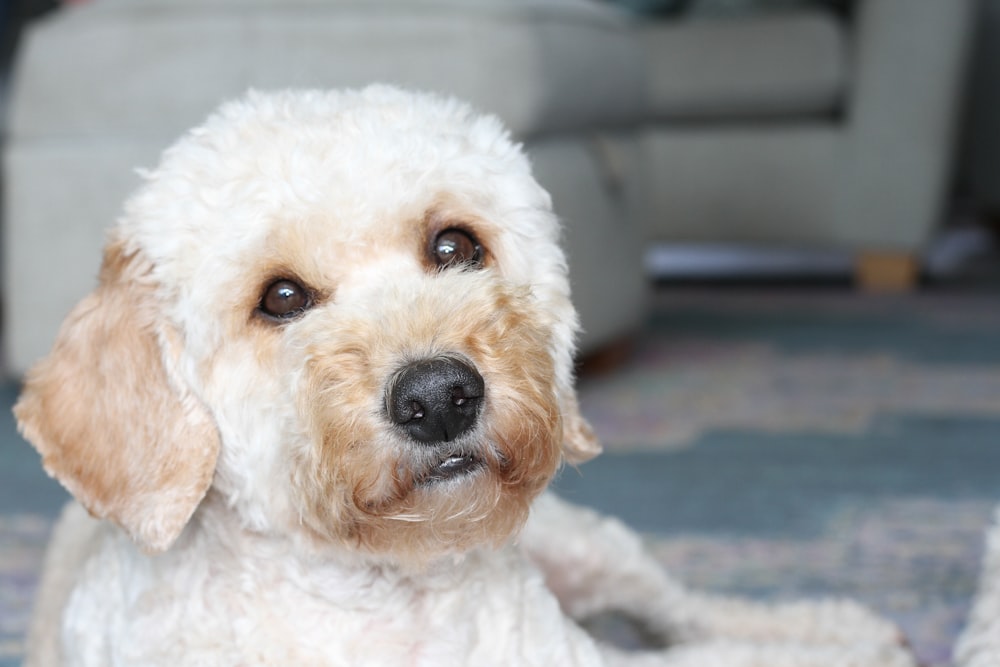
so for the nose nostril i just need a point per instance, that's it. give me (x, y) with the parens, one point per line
(458, 396)
(435, 400)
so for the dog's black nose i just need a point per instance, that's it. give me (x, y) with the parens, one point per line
(435, 400)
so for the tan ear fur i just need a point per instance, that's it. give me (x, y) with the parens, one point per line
(110, 422)
(580, 443)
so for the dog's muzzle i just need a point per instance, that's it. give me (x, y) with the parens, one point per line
(435, 400)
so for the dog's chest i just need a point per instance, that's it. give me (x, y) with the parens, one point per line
(489, 609)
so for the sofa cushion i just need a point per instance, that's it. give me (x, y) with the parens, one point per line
(131, 68)
(744, 68)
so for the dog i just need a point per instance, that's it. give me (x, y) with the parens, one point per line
(312, 408)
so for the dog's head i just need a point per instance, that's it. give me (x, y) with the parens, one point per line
(347, 313)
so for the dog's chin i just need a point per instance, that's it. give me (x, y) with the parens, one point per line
(431, 500)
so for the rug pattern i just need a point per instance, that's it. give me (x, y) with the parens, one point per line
(781, 362)
(22, 539)
(788, 444)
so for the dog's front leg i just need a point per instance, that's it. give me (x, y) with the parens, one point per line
(595, 564)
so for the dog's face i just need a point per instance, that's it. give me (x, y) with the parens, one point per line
(345, 312)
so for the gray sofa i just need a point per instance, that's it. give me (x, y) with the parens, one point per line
(807, 130)
(786, 128)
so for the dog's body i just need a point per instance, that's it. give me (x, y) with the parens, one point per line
(223, 596)
(325, 377)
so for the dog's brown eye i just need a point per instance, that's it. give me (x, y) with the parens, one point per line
(284, 299)
(455, 246)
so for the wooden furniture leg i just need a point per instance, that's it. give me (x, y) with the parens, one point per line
(886, 271)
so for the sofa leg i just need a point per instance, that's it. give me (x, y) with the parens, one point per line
(608, 358)
(886, 271)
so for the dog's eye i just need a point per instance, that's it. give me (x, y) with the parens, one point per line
(455, 246)
(284, 299)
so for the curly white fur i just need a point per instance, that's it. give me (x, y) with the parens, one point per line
(255, 502)
(979, 643)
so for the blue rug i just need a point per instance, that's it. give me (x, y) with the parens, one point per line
(770, 443)
(781, 444)
(29, 502)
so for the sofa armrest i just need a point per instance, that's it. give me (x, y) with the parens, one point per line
(909, 67)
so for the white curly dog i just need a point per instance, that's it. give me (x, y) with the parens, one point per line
(313, 401)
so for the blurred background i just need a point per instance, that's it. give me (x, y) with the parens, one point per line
(781, 217)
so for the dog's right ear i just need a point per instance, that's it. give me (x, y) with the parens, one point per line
(110, 420)
(580, 443)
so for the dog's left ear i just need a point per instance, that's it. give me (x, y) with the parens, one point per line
(113, 424)
(579, 441)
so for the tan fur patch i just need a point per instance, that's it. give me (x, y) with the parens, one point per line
(580, 443)
(109, 422)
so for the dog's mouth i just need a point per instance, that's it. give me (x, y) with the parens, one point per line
(451, 467)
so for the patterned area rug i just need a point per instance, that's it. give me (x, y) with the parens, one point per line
(770, 443)
(781, 444)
